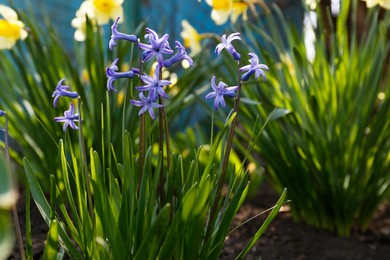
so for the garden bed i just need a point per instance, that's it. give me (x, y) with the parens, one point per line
(284, 239)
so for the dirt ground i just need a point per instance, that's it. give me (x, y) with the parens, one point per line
(284, 239)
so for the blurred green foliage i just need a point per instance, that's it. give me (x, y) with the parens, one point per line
(331, 150)
(31, 71)
(8, 197)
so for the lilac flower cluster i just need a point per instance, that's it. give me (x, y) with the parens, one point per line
(155, 47)
(70, 117)
(221, 91)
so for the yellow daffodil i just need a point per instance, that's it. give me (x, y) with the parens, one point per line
(79, 22)
(191, 38)
(99, 12)
(221, 10)
(239, 8)
(107, 9)
(11, 29)
(382, 3)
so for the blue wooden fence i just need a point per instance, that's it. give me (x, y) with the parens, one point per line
(160, 14)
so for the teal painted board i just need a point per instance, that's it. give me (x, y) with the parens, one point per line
(163, 16)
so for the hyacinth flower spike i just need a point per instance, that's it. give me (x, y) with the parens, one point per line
(112, 74)
(69, 118)
(180, 55)
(157, 47)
(115, 35)
(253, 68)
(62, 91)
(154, 85)
(220, 92)
(227, 44)
(146, 103)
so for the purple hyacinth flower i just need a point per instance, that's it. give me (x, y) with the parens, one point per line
(69, 118)
(226, 44)
(157, 47)
(2, 113)
(62, 91)
(253, 68)
(115, 35)
(154, 85)
(146, 103)
(180, 55)
(220, 92)
(112, 74)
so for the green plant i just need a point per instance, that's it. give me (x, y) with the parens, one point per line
(7, 201)
(32, 69)
(331, 150)
(141, 202)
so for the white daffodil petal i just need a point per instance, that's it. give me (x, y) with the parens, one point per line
(8, 13)
(6, 43)
(220, 17)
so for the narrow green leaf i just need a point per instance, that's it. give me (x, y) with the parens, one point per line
(151, 241)
(44, 209)
(278, 113)
(51, 246)
(227, 217)
(178, 226)
(264, 226)
(29, 252)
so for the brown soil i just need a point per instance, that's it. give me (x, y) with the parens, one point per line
(284, 239)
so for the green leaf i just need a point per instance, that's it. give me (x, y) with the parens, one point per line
(278, 113)
(7, 200)
(44, 209)
(178, 226)
(51, 246)
(227, 218)
(6, 233)
(264, 226)
(8, 194)
(151, 241)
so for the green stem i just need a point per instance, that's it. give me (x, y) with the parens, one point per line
(228, 147)
(142, 142)
(14, 210)
(212, 128)
(141, 146)
(161, 149)
(167, 139)
(84, 160)
(163, 122)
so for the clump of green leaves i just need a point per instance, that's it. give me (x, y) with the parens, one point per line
(332, 149)
(131, 203)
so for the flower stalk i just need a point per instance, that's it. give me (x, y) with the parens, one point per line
(84, 159)
(15, 217)
(225, 162)
(142, 142)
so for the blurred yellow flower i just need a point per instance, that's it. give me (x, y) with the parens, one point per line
(107, 9)
(11, 29)
(312, 4)
(382, 3)
(191, 38)
(79, 22)
(239, 8)
(99, 12)
(221, 10)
